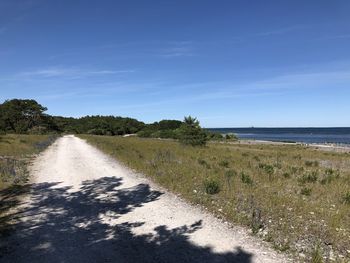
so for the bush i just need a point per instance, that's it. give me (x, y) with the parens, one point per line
(286, 175)
(346, 198)
(329, 176)
(246, 179)
(306, 191)
(212, 186)
(191, 133)
(267, 168)
(224, 163)
(215, 136)
(230, 173)
(231, 136)
(308, 178)
(145, 133)
(312, 163)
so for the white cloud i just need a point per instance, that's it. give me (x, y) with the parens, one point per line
(70, 72)
(178, 49)
(343, 36)
(283, 30)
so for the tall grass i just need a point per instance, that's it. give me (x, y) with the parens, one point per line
(15, 153)
(282, 192)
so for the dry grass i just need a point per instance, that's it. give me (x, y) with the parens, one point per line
(289, 195)
(15, 153)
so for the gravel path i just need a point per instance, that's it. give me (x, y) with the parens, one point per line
(83, 206)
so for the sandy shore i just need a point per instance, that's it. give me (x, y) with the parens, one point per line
(323, 147)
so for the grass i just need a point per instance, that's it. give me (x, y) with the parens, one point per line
(292, 196)
(15, 153)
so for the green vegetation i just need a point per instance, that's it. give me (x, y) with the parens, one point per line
(15, 153)
(268, 188)
(212, 186)
(191, 133)
(162, 129)
(346, 198)
(24, 116)
(99, 125)
(317, 255)
(28, 117)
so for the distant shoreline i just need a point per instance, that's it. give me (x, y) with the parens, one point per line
(323, 136)
(321, 146)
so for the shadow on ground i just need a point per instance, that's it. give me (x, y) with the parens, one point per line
(66, 226)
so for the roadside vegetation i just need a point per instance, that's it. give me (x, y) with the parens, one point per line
(294, 197)
(15, 154)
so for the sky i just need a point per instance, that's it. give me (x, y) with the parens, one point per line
(229, 63)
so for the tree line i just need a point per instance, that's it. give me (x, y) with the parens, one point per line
(28, 117)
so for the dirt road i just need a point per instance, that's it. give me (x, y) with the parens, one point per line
(82, 206)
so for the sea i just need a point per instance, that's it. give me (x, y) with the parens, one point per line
(303, 135)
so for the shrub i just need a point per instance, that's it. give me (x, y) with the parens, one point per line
(224, 163)
(212, 186)
(231, 136)
(145, 133)
(308, 178)
(172, 134)
(296, 170)
(312, 163)
(286, 175)
(329, 176)
(346, 198)
(215, 136)
(190, 133)
(230, 173)
(246, 179)
(306, 191)
(332, 172)
(267, 168)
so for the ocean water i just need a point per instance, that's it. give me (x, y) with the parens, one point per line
(304, 135)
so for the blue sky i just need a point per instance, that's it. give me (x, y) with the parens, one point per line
(230, 63)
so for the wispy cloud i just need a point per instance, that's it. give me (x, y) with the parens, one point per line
(70, 72)
(273, 86)
(269, 33)
(280, 31)
(178, 49)
(341, 36)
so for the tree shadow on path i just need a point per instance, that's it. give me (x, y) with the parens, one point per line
(61, 225)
